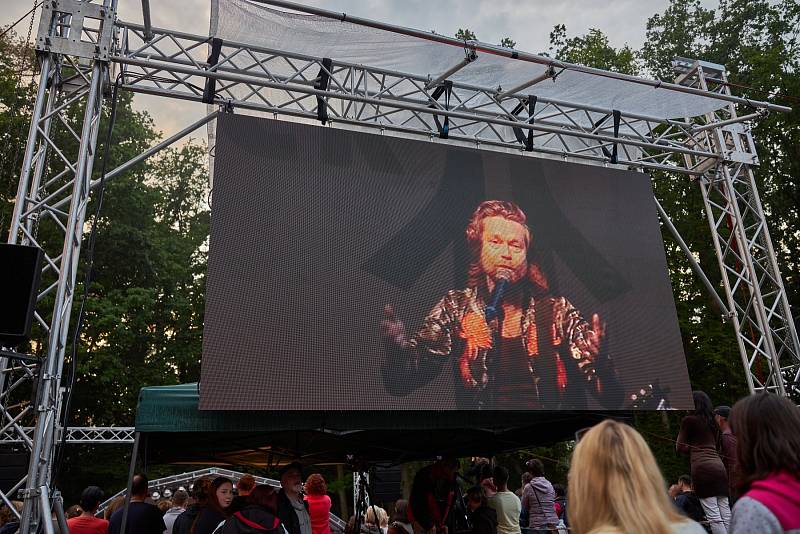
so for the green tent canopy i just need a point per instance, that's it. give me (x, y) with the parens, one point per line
(174, 430)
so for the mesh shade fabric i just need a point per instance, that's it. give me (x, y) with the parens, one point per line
(242, 21)
(254, 24)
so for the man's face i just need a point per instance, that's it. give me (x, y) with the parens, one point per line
(292, 481)
(503, 249)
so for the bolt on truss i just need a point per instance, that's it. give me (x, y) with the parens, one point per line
(81, 42)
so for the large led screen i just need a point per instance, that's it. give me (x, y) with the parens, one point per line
(354, 271)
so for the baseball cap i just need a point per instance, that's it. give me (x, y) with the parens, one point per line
(723, 411)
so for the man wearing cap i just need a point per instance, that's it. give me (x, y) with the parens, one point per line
(728, 447)
(292, 510)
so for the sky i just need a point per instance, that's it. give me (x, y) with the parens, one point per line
(528, 22)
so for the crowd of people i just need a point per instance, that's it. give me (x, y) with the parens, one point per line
(746, 458)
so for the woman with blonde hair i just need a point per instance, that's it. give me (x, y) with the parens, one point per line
(616, 487)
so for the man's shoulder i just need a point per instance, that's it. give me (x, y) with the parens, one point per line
(458, 297)
(749, 513)
(504, 498)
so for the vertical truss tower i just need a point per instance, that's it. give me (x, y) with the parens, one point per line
(81, 46)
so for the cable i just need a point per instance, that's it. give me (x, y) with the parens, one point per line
(761, 91)
(37, 4)
(87, 281)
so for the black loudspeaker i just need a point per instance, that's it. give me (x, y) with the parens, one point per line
(13, 466)
(386, 484)
(19, 285)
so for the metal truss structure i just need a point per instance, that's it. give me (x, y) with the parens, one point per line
(757, 300)
(86, 435)
(82, 46)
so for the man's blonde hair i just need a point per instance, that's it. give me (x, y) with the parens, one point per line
(474, 235)
(615, 484)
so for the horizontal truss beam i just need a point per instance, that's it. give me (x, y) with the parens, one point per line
(173, 65)
(77, 434)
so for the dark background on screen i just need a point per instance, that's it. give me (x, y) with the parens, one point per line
(315, 229)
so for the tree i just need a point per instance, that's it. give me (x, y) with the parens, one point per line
(593, 50)
(508, 42)
(16, 97)
(758, 44)
(144, 311)
(466, 34)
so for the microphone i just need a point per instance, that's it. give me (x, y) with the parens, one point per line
(499, 288)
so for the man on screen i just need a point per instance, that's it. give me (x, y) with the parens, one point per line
(531, 350)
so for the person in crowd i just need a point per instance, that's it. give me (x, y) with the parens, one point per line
(87, 523)
(560, 503)
(538, 497)
(9, 523)
(697, 438)
(292, 509)
(215, 511)
(687, 502)
(433, 495)
(524, 514)
(200, 492)
(377, 517)
(350, 528)
(143, 517)
(400, 524)
(768, 431)
(486, 482)
(524, 478)
(163, 506)
(179, 501)
(505, 503)
(482, 518)
(727, 447)
(258, 516)
(113, 506)
(243, 489)
(319, 504)
(73, 511)
(616, 486)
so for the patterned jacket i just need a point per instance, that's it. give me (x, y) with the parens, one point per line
(554, 336)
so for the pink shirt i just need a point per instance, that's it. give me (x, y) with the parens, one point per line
(319, 508)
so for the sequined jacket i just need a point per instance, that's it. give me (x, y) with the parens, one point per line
(554, 335)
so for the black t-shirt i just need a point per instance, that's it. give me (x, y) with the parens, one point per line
(143, 518)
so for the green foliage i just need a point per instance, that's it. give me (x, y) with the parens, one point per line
(758, 44)
(16, 96)
(592, 49)
(508, 42)
(144, 312)
(466, 34)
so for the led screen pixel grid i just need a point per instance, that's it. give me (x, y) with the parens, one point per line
(340, 278)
